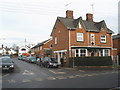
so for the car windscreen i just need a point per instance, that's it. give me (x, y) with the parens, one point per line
(6, 60)
(33, 58)
(53, 60)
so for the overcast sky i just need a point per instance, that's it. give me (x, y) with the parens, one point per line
(34, 19)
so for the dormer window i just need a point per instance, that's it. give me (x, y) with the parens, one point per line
(80, 26)
(92, 39)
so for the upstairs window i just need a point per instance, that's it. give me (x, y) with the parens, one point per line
(23, 49)
(80, 37)
(55, 40)
(92, 39)
(51, 46)
(103, 38)
(40, 47)
(80, 26)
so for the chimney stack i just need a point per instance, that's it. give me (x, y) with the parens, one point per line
(69, 14)
(89, 17)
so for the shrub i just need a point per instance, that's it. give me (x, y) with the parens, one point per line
(91, 61)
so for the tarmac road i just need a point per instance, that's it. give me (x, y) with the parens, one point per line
(27, 75)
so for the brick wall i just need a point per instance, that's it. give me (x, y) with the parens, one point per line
(62, 35)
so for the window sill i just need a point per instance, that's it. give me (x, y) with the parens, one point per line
(79, 41)
(104, 42)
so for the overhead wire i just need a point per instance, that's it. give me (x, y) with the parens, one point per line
(28, 8)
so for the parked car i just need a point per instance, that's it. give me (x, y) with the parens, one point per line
(6, 64)
(20, 58)
(24, 58)
(7, 55)
(39, 61)
(50, 62)
(31, 59)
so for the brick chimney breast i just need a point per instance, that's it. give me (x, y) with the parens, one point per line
(69, 14)
(89, 17)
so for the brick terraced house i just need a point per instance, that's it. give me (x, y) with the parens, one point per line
(77, 37)
(42, 49)
(116, 47)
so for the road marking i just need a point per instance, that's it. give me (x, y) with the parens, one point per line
(59, 69)
(52, 71)
(26, 80)
(57, 72)
(77, 75)
(61, 77)
(71, 76)
(81, 71)
(61, 72)
(11, 81)
(5, 75)
(51, 78)
(26, 72)
(90, 75)
(38, 79)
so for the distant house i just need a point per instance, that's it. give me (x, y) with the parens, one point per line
(42, 49)
(3, 51)
(23, 49)
(12, 51)
(9, 51)
(78, 37)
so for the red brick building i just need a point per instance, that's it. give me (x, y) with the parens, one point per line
(42, 49)
(77, 37)
(116, 46)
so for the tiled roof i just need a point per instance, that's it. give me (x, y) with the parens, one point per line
(116, 36)
(90, 26)
(40, 44)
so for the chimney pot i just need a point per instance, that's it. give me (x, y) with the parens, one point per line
(69, 14)
(89, 17)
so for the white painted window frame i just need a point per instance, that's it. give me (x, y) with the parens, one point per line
(80, 37)
(80, 26)
(55, 40)
(79, 54)
(103, 50)
(92, 37)
(103, 38)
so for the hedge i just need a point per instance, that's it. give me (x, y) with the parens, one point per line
(91, 61)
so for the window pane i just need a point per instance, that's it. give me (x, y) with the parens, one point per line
(76, 51)
(77, 55)
(101, 52)
(80, 37)
(103, 38)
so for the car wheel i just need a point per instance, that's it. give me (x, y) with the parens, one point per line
(57, 66)
(48, 66)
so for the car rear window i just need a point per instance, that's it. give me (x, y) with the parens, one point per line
(6, 60)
